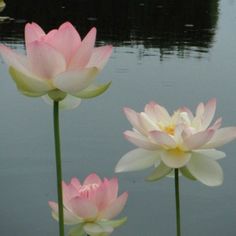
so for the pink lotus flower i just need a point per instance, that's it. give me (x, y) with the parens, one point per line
(181, 140)
(58, 64)
(91, 205)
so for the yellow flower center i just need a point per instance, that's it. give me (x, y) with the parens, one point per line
(170, 129)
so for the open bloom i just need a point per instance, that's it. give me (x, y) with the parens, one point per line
(182, 140)
(91, 205)
(58, 64)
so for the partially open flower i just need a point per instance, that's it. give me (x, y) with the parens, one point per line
(58, 64)
(181, 140)
(91, 206)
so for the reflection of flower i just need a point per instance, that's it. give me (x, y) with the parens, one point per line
(181, 141)
(91, 205)
(58, 63)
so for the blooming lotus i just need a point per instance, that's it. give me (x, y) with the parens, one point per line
(58, 64)
(91, 205)
(183, 141)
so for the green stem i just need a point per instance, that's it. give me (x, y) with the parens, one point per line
(58, 166)
(177, 202)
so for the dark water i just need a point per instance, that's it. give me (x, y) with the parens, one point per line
(174, 52)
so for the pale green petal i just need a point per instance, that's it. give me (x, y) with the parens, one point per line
(160, 171)
(95, 229)
(69, 102)
(187, 173)
(114, 223)
(29, 85)
(212, 153)
(77, 231)
(93, 91)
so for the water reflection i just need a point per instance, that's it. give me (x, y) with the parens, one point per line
(174, 27)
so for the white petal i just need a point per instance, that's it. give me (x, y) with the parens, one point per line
(205, 170)
(175, 158)
(137, 159)
(212, 153)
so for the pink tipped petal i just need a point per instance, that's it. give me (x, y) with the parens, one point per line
(100, 57)
(84, 208)
(133, 118)
(205, 170)
(221, 137)
(44, 60)
(115, 207)
(92, 179)
(186, 109)
(217, 124)
(162, 139)
(161, 113)
(137, 159)
(200, 110)
(139, 140)
(175, 158)
(209, 113)
(33, 32)
(75, 81)
(66, 40)
(197, 140)
(146, 122)
(150, 110)
(83, 54)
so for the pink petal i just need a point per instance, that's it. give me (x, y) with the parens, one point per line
(151, 111)
(83, 208)
(221, 137)
(197, 140)
(161, 113)
(75, 81)
(92, 179)
(100, 56)
(139, 140)
(112, 187)
(83, 54)
(75, 183)
(33, 32)
(133, 118)
(162, 139)
(175, 158)
(44, 60)
(147, 123)
(209, 113)
(200, 110)
(115, 207)
(217, 124)
(66, 40)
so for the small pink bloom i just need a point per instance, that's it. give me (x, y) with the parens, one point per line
(58, 64)
(181, 140)
(92, 204)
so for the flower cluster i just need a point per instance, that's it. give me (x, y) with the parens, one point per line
(91, 205)
(183, 140)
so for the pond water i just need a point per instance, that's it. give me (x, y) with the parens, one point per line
(174, 52)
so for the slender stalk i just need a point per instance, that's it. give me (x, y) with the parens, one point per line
(58, 165)
(177, 202)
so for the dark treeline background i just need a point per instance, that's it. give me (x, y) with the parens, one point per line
(154, 23)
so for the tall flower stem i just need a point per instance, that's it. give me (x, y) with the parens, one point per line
(58, 165)
(177, 203)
